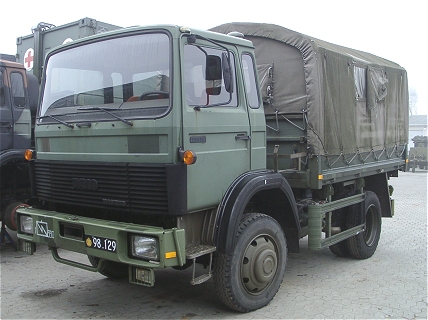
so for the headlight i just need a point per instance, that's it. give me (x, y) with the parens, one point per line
(26, 224)
(144, 247)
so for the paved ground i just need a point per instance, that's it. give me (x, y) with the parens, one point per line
(391, 284)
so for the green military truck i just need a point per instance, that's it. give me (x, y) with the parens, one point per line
(418, 154)
(164, 146)
(20, 75)
(18, 104)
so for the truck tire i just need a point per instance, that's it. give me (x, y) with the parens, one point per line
(250, 276)
(112, 269)
(339, 249)
(9, 218)
(364, 244)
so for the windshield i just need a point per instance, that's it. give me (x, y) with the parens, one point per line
(128, 76)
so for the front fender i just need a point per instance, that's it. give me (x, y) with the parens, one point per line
(239, 194)
(12, 155)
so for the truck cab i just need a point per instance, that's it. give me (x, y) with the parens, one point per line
(18, 103)
(149, 111)
(128, 126)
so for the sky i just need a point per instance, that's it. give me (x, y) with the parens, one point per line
(393, 30)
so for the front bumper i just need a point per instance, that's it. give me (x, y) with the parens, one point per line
(69, 232)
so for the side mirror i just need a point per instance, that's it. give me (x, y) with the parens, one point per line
(2, 97)
(213, 68)
(213, 73)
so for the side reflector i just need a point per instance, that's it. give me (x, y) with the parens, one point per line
(320, 177)
(170, 255)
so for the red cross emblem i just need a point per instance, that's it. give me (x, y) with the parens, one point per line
(29, 59)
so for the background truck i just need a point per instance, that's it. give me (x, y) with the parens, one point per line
(166, 147)
(418, 154)
(19, 89)
(18, 104)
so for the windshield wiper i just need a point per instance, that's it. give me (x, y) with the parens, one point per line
(58, 120)
(129, 123)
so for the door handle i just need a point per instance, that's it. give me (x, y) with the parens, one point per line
(242, 137)
(5, 125)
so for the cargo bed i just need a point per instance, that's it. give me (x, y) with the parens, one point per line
(332, 113)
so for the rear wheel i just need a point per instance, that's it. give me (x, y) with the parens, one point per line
(340, 249)
(364, 244)
(112, 269)
(249, 277)
(338, 220)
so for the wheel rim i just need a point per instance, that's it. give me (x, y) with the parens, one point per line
(372, 226)
(259, 264)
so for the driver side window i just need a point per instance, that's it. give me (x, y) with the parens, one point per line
(203, 77)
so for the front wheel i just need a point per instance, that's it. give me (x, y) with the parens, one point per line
(248, 278)
(364, 244)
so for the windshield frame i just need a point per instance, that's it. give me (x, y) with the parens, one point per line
(72, 111)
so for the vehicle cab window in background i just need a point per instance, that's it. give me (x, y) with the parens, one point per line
(18, 92)
(2, 90)
(204, 77)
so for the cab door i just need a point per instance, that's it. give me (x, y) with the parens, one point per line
(16, 115)
(215, 123)
(6, 119)
(255, 111)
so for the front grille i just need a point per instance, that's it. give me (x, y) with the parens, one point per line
(128, 187)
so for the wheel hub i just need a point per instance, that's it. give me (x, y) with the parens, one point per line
(259, 264)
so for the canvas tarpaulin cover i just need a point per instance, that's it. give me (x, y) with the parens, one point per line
(353, 101)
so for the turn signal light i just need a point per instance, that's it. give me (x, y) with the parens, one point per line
(189, 157)
(29, 154)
